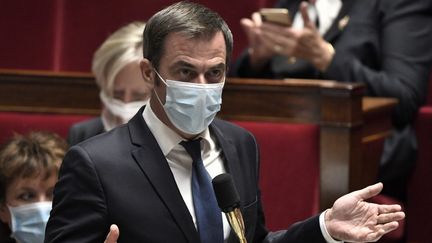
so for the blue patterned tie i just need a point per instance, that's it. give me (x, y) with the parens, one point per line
(207, 212)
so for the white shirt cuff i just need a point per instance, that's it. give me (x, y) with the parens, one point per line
(324, 231)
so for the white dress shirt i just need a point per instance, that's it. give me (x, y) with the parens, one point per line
(180, 163)
(327, 11)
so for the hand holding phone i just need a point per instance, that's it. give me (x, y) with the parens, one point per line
(278, 16)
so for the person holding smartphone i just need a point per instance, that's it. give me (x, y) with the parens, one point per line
(384, 44)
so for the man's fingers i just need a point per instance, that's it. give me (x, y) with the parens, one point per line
(379, 231)
(374, 236)
(389, 208)
(390, 226)
(256, 17)
(369, 191)
(247, 25)
(304, 13)
(113, 234)
(389, 217)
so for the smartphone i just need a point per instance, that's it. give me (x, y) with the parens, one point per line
(276, 15)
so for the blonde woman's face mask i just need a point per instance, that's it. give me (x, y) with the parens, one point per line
(130, 93)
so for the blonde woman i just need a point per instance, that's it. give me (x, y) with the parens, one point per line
(122, 90)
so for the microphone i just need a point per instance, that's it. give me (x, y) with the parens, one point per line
(229, 202)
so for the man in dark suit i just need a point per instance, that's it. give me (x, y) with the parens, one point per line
(142, 176)
(368, 41)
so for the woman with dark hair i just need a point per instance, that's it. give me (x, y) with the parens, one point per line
(29, 166)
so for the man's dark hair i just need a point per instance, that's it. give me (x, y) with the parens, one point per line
(190, 19)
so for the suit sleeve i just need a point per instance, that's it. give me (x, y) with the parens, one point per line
(404, 33)
(79, 208)
(73, 137)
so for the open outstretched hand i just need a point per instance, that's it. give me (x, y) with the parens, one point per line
(353, 219)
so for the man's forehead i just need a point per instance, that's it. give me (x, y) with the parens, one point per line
(181, 50)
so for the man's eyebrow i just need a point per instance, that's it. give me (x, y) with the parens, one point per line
(188, 65)
(220, 65)
(183, 64)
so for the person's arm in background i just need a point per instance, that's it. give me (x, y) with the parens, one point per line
(396, 64)
(255, 61)
(405, 37)
(268, 40)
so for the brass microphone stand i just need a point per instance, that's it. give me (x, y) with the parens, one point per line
(235, 219)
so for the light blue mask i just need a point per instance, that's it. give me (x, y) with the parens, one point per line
(29, 222)
(191, 107)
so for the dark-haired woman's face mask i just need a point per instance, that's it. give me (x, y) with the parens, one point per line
(27, 207)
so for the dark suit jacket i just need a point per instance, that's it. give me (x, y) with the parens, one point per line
(385, 44)
(84, 130)
(122, 177)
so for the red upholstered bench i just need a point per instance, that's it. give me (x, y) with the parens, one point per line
(23, 122)
(289, 173)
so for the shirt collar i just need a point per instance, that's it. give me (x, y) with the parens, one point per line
(166, 137)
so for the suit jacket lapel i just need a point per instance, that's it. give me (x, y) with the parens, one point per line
(153, 163)
(338, 26)
(231, 163)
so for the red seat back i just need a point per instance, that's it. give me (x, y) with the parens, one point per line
(419, 199)
(289, 173)
(17, 122)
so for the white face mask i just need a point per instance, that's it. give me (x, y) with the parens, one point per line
(124, 111)
(29, 221)
(191, 107)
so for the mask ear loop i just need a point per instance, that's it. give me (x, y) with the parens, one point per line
(163, 81)
(160, 77)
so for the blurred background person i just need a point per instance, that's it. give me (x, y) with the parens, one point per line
(117, 73)
(384, 44)
(29, 166)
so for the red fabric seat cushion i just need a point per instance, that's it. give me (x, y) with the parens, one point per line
(289, 173)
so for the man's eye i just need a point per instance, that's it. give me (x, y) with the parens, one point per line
(185, 72)
(215, 75)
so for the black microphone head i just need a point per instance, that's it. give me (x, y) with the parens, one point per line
(226, 192)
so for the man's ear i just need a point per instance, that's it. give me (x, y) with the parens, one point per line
(147, 71)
